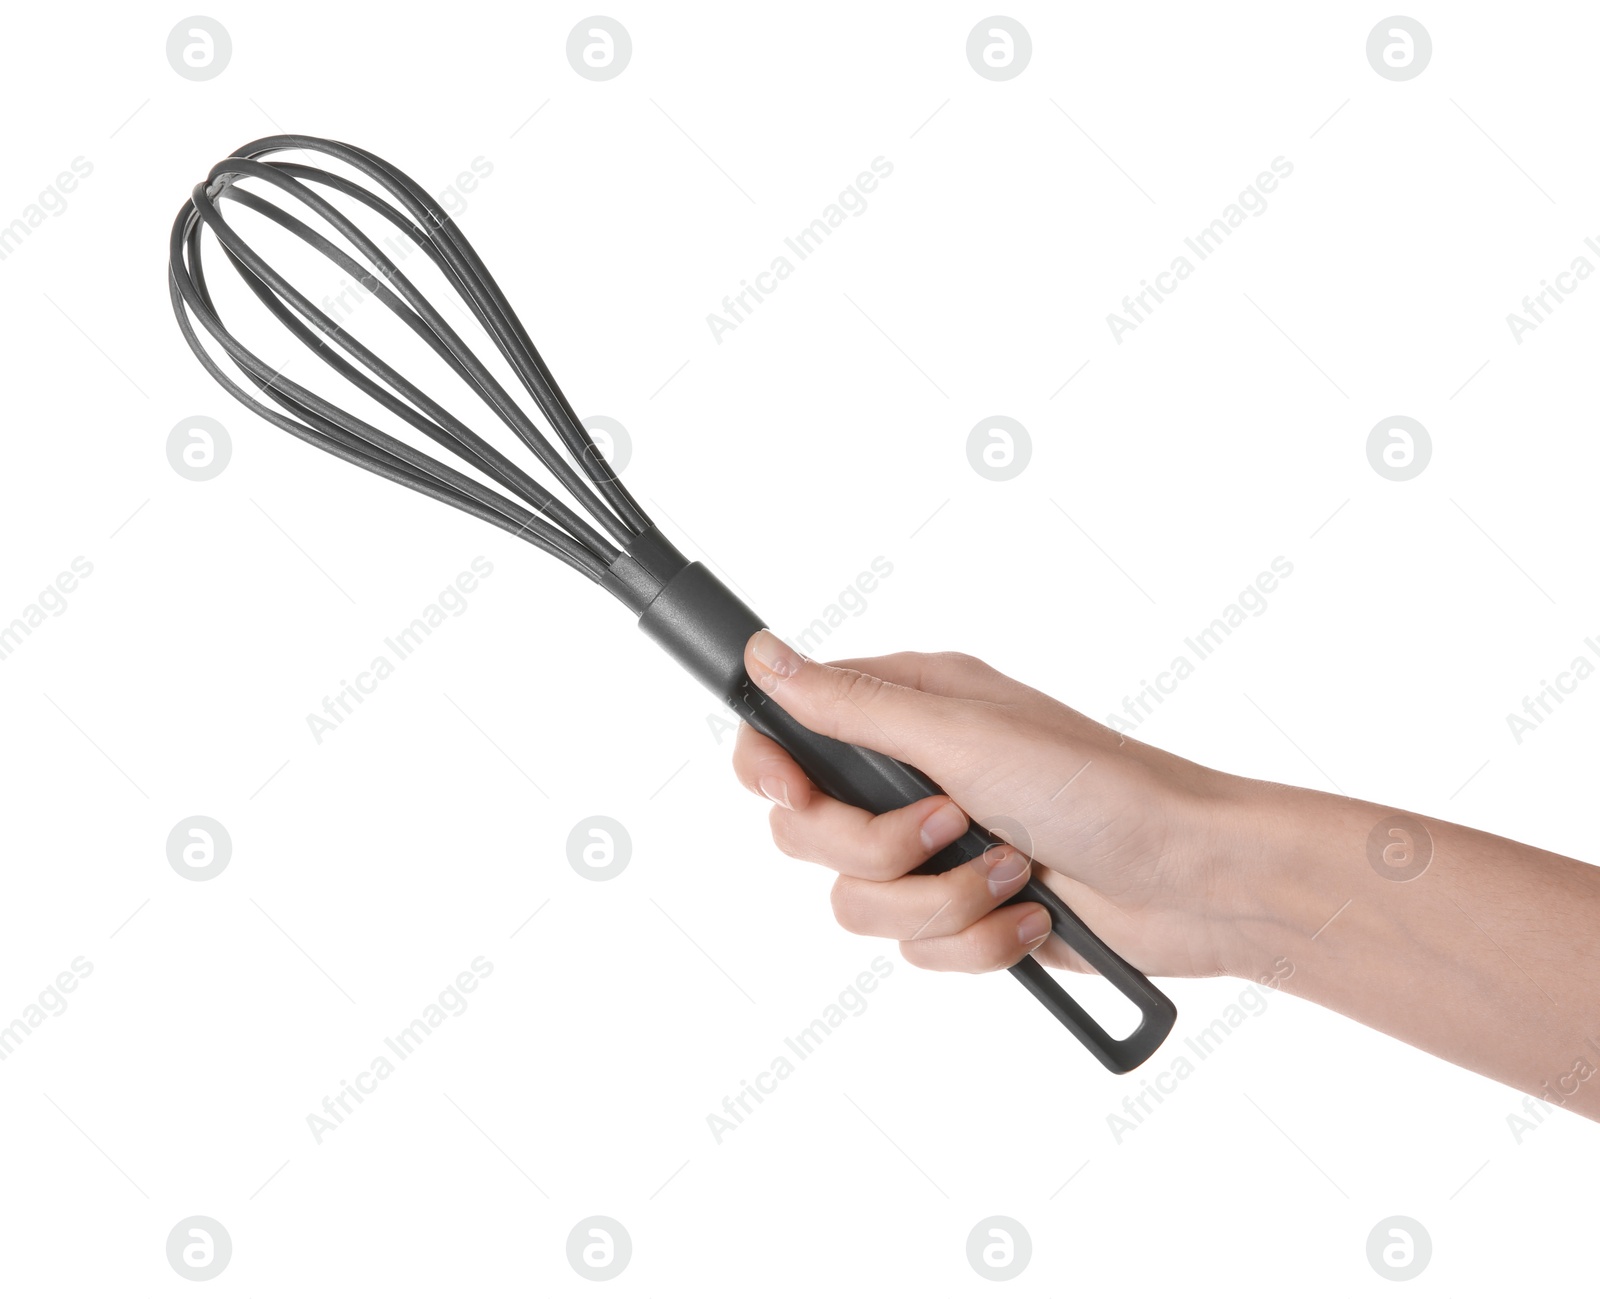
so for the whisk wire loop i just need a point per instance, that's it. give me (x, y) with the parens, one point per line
(551, 524)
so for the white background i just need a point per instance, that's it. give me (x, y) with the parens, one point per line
(369, 870)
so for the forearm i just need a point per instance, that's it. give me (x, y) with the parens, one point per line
(1490, 957)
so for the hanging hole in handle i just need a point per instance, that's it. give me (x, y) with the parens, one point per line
(1115, 1012)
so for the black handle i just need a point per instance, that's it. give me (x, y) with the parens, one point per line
(880, 784)
(705, 627)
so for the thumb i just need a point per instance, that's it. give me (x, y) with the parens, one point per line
(855, 706)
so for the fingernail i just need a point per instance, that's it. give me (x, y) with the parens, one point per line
(775, 789)
(773, 655)
(1034, 926)
(1002, 867)
(942, 826)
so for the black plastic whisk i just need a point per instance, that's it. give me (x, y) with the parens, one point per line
(680, 604)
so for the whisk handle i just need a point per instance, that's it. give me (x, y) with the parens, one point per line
(705, 626)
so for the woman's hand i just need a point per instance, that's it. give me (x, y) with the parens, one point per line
(1481, 951)
(1126, 835)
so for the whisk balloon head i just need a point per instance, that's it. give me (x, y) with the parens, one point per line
(616, 545)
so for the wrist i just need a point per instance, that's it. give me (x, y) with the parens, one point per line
(1279, 865)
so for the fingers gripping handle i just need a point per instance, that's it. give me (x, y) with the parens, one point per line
(880, 784)
(703, 625)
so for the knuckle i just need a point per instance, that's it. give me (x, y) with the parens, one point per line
(889, 852)
(989, 948)
(851, 687)
(946, 919)
(784, 838)
(745, 759)
(845, 899)
(744, 771)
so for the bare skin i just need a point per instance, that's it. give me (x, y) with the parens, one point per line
(1482, 951)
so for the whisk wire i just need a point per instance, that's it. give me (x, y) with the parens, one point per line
(334, 430)
(473, 279)
(328, 426)
(423, 413)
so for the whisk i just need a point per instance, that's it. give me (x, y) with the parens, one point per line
(680, 604)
